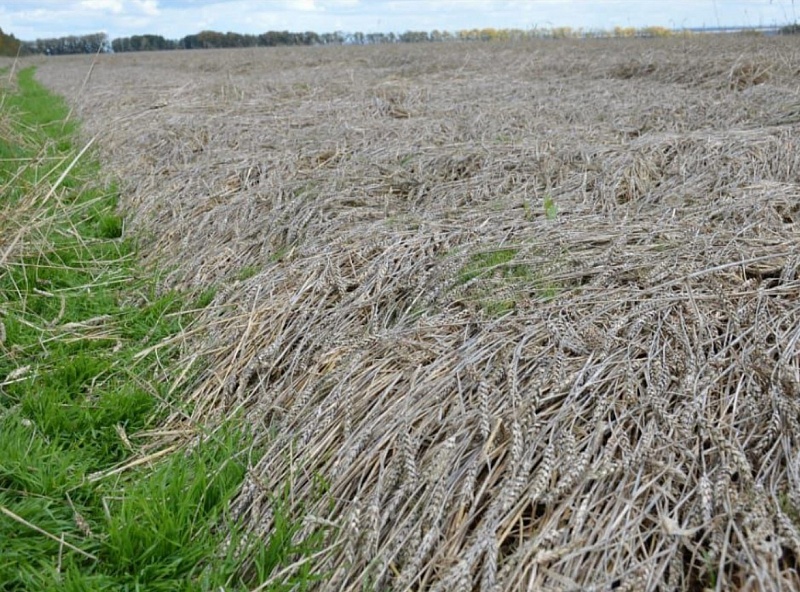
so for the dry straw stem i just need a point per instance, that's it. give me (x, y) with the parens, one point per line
(9, 514)
(603, 398)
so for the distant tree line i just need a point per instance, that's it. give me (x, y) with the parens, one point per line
(99, 42)
(9, 45)
(92, 43)
(214, 39)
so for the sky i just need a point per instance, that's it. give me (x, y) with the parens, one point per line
(31, 19)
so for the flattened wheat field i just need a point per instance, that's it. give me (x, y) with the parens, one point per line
(502, 316)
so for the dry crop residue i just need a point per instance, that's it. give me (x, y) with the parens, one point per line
(531, 311)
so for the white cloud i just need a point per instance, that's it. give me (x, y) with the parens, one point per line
(148, 7)
(114, 6)
(303, 5)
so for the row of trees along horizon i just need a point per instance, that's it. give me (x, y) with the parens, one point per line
(99, 42)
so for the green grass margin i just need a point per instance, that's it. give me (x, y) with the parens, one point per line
(86, 341)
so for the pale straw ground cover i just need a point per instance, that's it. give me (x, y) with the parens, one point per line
(505, 316)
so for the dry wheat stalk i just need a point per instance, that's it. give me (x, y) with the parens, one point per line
(520, 427)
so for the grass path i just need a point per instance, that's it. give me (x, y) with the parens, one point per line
(87, 349)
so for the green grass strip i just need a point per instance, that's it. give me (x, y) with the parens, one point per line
(77, 393)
